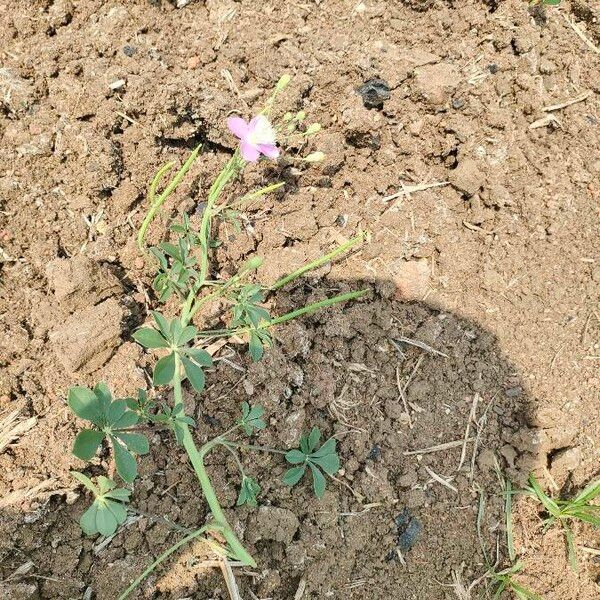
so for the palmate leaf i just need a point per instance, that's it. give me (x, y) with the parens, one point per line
(107, 511)
(162, 323)
(248, 492)
(251, 418)
(85, 405)
(202, 357)
(318, 481)
(255, 347)
(294, 475)
(124, 461)
(295, 457)
(323, 459)
(112, 418)
(136, 442)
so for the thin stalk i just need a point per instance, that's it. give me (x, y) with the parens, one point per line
(253, 447)
(318, 262)
(197, 459)
(165, 555)
(252, 196)
(238, 462)
(158, 202)
(287, 316)
(188, 313)
(230, 170)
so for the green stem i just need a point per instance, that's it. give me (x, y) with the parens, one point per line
(165, 555)
(287, 316)
(253, 447)
(158, 202)
(238, 462)
(318, 262)
(230, 170)
(197, 459)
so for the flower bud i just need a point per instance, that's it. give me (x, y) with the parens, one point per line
(312, 129)
(283, 82)
(314, 157)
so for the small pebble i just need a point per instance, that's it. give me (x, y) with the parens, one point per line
(193, 62)
(514, 392)
(493, 68)
(457, 103)
(117, 85)
(129, 50)
(138, 263)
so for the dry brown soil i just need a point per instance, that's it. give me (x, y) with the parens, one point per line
(499, 270)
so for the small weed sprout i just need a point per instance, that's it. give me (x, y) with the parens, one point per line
(183, 272)
(503, 580)
(564, 511)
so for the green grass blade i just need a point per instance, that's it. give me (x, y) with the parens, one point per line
(572, 555)
(315, 264)
(510, 541)
(548, 503)
(158, 202)
(164, 557)
(522, 592)
(589, 493)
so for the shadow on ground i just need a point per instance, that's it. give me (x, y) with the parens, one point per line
(427, 411)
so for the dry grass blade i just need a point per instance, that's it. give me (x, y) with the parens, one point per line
(403, 397)
(230, 581)
(582, 35)
(438, 448)
(11, 428)
(566, 103)
(471, 419)
(407, 190)
(15, 498)
(418, 344)
(300, 591)
(441, 480)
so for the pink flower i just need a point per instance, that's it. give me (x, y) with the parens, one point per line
(256, 137)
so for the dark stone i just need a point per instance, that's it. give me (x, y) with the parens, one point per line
(375, 453)
(457, 103)
(409, 528)
(514, 392)
(493, 68)
(374, 92)
(129, 50)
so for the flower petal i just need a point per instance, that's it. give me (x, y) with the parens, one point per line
(249, 152)
(269, 150)
(261, 131)
(238, 127)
